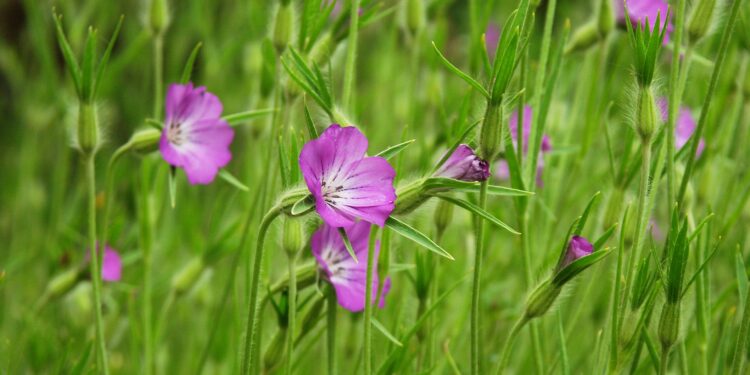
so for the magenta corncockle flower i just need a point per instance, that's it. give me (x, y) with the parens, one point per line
(640, 10)
(502, 171)
(684, 127)
(578, 247)
(348, 277)
(347, 185)
(464, 164)
(111, 264)
(491, 37)
(195, 137)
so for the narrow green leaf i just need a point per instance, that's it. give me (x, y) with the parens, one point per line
(699, 227)
(107, 53)
(479, 211)
(579, 265)
(228, 177)
(604, 237)
(312, 131)
(418, 237)
(187, 71)
(156, 124)
(473, 187)
(70, 60)
(87, 69)
(741, 271)
(394, 150)
(471, 81)
(348, 244)
(375, 323)
(585, 216)
(240, 117)
(283, 163)
(79, 367)
(700, 269)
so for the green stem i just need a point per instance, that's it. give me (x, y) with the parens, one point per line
(615, 323)
(158, 74)
(351, 54)
(292, 312)
(145, 244)
(675, 95)
(475, 322)
(715, 75)
(95, 264)
(740, 350)
(251, 328)
(664, 361)
(368, 300)
(505, 356)
(331, 336)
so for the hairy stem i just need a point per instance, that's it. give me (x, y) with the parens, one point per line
(95, 264)
(292, 312)
(479, 254)
(368, 301)
(331, 336)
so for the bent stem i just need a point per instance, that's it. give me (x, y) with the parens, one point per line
(251, 328)
(479, 230)
(95, 264)
(505, 356)
(368, 300)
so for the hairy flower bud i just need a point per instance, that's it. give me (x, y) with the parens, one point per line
(646, 115)
(88, 128)
(159, 16)
(606, 17)
(145, 140)
(292, 240)
(409, 197)
(700, 19)
(541, 299)
(443, 215)
(275, 352)
(62, 283)
(584, 37)
(323, 48)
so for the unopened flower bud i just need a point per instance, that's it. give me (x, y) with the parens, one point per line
(159, 16)
(292, 240)
(606, 17)
(184, 279)
(646, 115)
(669, 324)
(283, 27)
(578, 247)
(463, 164)
(490, 134)
(275, 352)
(88, 128)
(145, 140)
(700, 19)
(542, 299)
(322, 49)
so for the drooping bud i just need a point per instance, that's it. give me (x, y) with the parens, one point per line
(275, 352)
(283, 27)
(186, 277)
(409, 197)
(292, 240)
(646, 115)
(145, 140)
(62, 283)
(88, 128)
(159, 16)
(700, 20)
(541, 299)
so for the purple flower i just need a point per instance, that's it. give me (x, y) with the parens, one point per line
(684, 128)
(578, 247)
(195, 137)
(502, 171)
(346, 184)
(464, 164)
(111, 264)
(348, 277)
(640, 10)
(491, 37)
